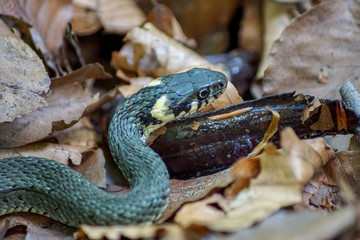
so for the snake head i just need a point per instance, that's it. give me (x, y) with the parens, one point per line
(187, 92)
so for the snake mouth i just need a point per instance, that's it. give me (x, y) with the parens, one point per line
(219, 88)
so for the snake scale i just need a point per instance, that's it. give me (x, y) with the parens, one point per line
(43, 186)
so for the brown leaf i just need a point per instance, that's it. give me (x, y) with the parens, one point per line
(89, 71)
(208, 23)
(280, 183)
(345, 166)
(193, 189)
(36, 226)
(81, 134)
(303, 224)
(163, 231)
(84, 22)
(48, 19)
(166, 54)
(153, 53)
(57, 152)
(92, 167)
(66, 105)
(119, 16)
(272, 129)
(311, 109)
(164, 19)
(320, 44)
(23, 79)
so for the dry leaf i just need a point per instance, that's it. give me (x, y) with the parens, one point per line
(119, 16)
(250, 36)
(92, 167)
(89, 71)
(206, 21)
(66, 105)
(279, 184)
(272, 129)
(312, 109)
(165, 54)
(57, 152)
(84, 22)
(193, 189)
(303, 224)
(23, 80)
(37, 227)
(81, 134)
(116, 16)
(243, 171)
(48, 19)
(276, 18)
(154, 53)
(164, 231)
(164, 19)
(345, 165)
(321, 43)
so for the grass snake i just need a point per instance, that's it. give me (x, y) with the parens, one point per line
(49, 188)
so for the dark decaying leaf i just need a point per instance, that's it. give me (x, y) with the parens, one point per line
(218, 143)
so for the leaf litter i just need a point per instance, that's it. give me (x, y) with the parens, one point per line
(272, 180)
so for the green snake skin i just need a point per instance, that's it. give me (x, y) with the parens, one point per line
(52, 189)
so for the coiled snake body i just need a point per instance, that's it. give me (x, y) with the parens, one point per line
(52, 189)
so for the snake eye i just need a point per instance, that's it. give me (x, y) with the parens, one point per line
(204, 93)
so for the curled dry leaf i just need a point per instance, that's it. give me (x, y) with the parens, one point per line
(116, 16)
(166, 54)
(66, 105)
(164, 231)
(280, 183)
(276, 18)
(272, 129)
(316, 53)
(84, 22)
(164, 19)
(36, 227)
(312, 109)
(90, 163)
(151, 52)
(57, 152)
(92, 70)
(345, 165)
(92, 167)
(81, 134)
(119, 16)
(48, 19)
(23, 79)
(250, 36)
(193, 189)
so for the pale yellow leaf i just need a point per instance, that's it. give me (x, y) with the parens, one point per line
(23, 78)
